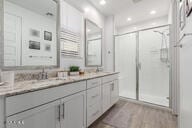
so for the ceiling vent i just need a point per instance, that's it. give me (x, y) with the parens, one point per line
(136, 1)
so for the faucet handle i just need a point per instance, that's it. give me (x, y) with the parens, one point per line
(43, 69)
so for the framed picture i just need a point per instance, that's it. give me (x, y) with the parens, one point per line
(34, 45)
(47, 36)
(34, 33)
(182, 15)
(188, 7)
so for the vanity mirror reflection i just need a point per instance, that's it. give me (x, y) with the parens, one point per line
(30, 33)
(93, 44)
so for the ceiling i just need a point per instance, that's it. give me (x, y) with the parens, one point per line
(137, 11)
(38, 6)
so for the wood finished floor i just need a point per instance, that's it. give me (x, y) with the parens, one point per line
(142, 116)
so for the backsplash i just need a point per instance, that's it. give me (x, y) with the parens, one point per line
(26, 75)
(33, 74)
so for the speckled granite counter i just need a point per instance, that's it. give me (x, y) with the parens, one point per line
(35, 85)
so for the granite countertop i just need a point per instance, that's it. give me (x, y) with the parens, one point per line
(35, 85)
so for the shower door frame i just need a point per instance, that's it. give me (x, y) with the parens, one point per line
(138, 64)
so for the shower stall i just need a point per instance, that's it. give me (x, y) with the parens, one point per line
(142, 58)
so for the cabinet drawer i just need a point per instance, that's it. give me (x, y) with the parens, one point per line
(19, 103)
(93, 83)
(93, 96)
(93, 113)
(109, 78)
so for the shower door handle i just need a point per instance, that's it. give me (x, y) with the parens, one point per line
(139, 66)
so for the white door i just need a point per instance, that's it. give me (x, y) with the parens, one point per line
(12, 40)
(106, 96)
(46, 116)
(73, 113)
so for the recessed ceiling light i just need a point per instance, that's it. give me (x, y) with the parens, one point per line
(86, 9)
(102, 2)
(153, 12)
(129, 19)
(135, 28)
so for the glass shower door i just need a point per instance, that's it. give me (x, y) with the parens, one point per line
(154, 66)
(125, 63)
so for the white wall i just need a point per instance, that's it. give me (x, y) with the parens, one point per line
(170, 14)
(185, 78)
(109, 44)
(142, 25)
(1, 33)
(31, 20)
(94, 15)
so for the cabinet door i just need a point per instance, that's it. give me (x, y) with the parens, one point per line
(74, 111)
(114, 92)
(106, 95)
(46, 116)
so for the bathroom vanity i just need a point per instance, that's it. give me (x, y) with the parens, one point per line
(37, 34)
(75, 102)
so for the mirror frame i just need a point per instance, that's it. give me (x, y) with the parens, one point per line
(9, 68)
(86, 45)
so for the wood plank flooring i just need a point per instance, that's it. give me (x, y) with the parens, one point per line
(141, 116)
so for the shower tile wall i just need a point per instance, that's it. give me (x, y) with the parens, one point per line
(154, 72)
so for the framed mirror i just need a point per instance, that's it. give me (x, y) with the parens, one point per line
(93, 44)
(30, 30)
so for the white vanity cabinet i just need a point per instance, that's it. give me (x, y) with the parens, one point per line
(94, 100)
(45, 116)
(73, 113)
(114, 92)
(102, 94)
(110, 91)
(69, 112)
(74, 105)
(106, 91)
(58, 107)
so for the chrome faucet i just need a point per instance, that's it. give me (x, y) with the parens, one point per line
(98, 69)
(43, 75)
